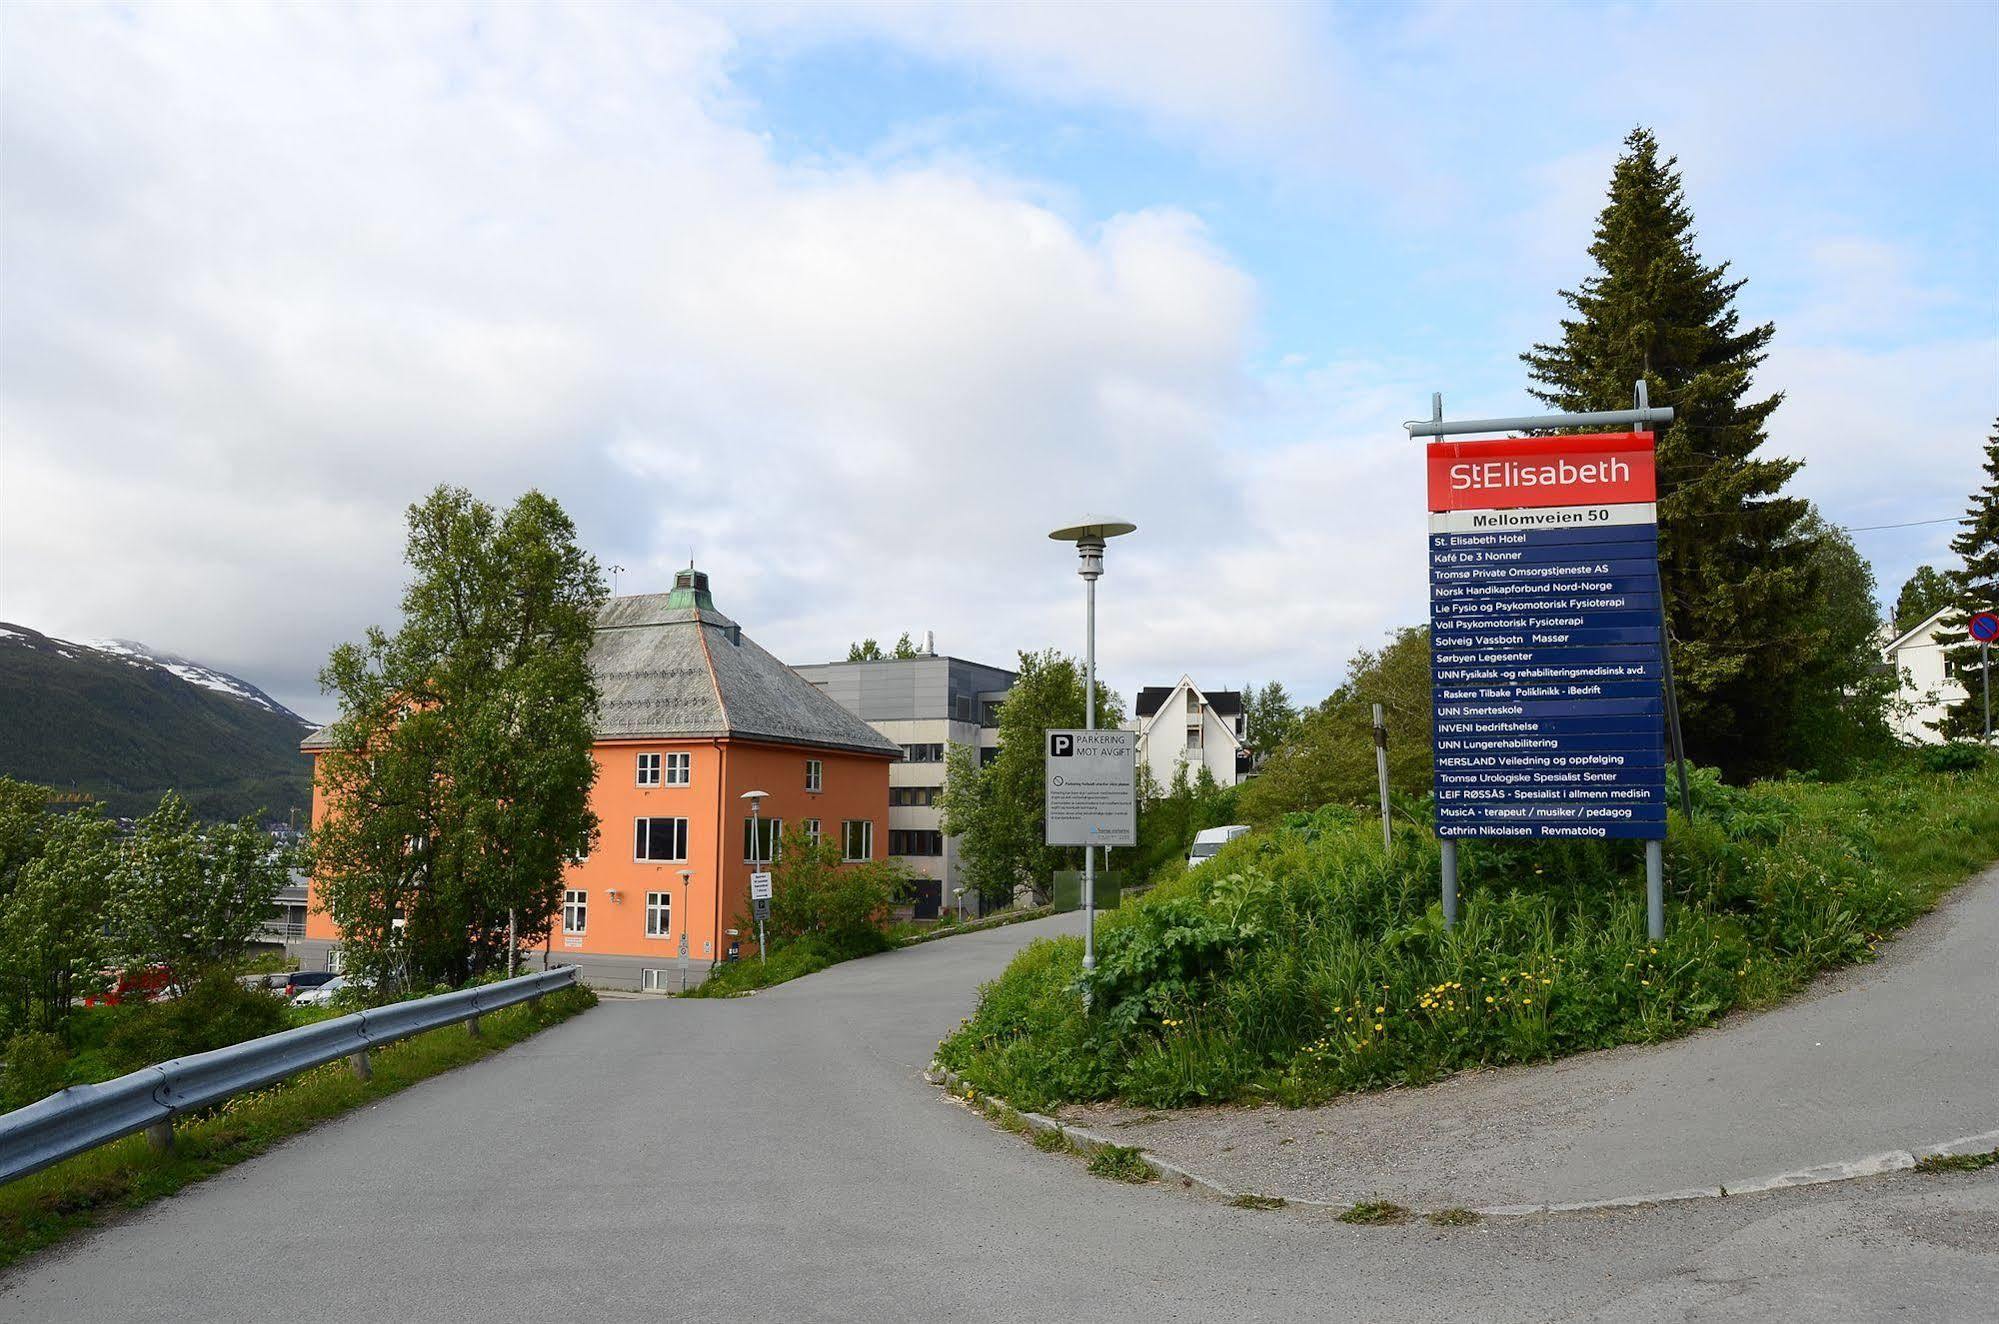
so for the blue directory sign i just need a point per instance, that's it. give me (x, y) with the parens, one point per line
(1546, 661)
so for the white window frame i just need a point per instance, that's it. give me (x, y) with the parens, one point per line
(811, 826)
(575, 911)
(815, 775)
(867, 826)
(773, 828)
(659, 914)
(679, 769)
(648, 769)
(679, 833)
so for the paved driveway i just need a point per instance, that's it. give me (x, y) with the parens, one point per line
(779, 1158)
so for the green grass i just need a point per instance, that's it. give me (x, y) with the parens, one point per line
(1301, 963)
(43, 1208)
(1249, 1201)
(1052, 1142)
(1452, 1217)
(1121, 1163)
(1958, 1162)
(1375, 1212)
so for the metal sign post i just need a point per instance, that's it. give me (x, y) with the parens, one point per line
(1381, 773)
(1984, 627)
(1548, 649)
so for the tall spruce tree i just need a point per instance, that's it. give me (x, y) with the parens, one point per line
(1734, 569)
(1925, 593)
(1977, 590)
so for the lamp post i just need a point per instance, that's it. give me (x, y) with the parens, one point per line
(686, 877)
(1089, 537)
(756, 799)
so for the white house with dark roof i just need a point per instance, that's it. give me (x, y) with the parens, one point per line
(1181, 725)
(1928, 683)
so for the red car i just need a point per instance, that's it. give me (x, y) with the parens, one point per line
(147, 985)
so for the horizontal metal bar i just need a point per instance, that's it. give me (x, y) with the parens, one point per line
(1428, 427)
(83, 1117)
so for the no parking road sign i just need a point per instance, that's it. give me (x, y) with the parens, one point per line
(1985, 627)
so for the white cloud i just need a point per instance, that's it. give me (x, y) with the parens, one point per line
(519, 252)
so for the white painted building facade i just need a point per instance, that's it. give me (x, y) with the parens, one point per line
(1928, 684)
(1181, 726)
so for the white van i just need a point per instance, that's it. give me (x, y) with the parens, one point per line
(1209, 840)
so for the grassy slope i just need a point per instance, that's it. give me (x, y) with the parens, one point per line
(38, 1210)
(1302, 964)
(127, 734)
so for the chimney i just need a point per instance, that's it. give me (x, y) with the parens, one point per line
(930, 643)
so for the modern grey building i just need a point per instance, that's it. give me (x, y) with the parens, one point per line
(925, 704)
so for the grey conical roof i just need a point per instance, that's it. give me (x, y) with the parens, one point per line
(666, 670)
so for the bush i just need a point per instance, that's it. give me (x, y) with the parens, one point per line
(1956, 756)
(1301, 962)
(36, 1067)
(214, 1012)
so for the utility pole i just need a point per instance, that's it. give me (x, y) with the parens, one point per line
(1381, 774)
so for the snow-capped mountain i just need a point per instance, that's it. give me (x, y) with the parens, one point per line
(127, 723)
(194, 673)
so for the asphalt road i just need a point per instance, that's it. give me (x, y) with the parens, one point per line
(779, 1158)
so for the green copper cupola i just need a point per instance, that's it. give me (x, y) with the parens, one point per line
(690, 589)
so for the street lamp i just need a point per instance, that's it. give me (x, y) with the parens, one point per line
(1089, 537)
(686, 877)
(756, 799)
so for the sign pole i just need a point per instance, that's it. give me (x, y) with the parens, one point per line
(756, 866)
(1381, 773)
(1655, 849)
(1448, 860)
(1985, 656)
(1090, 724)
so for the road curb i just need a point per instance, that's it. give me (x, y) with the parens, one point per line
(1872, 1165)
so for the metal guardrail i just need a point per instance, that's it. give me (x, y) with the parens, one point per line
(83, 1117)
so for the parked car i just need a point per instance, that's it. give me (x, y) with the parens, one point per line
(1209, 840)
(321, 994)
(147, 984)
(300, 981)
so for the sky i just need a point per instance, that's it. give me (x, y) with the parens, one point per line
(853, 302)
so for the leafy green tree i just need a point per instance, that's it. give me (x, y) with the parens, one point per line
(870, 650)
(52, 931)
(996, 811)
(814, 894)
(24, 820)
(1269, 717)
(1926, 592)
(1840, 702)
(191, 897)
(1977, 547)
(1734, 570)
(1331, 758)
(459, 775)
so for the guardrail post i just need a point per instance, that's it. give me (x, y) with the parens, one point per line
(358, 1063)
(472, 1026)
(160, 1135)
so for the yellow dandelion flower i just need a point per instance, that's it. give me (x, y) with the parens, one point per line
(1377, 1025)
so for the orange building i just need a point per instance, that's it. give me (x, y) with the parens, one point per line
(692, 716)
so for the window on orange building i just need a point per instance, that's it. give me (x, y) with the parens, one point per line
(679, 769)
(659, 839)
(811, 826)
(575, 910)
(814, 774)
(659, 915)
(857, 839)
(768, 848)
(648, 769)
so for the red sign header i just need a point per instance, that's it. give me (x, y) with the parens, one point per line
(1513, 472)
